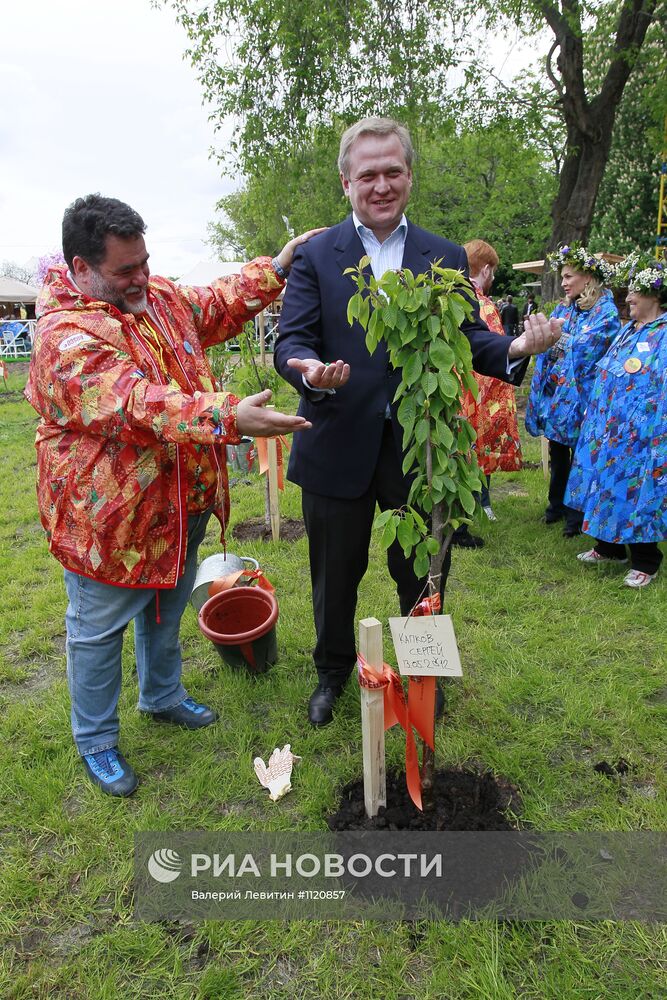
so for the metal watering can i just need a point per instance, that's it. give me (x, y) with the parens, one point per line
(214, 569)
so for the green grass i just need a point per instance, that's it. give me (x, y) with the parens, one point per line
(563, 667)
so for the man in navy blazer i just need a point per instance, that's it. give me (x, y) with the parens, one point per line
(351, 459)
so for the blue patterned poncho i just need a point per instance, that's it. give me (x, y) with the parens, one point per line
(619, 473)
(564, 374)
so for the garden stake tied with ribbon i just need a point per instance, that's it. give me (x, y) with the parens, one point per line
(383, 705)
(394, 709)
(270, 458)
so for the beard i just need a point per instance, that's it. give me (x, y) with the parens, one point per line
(103, 290)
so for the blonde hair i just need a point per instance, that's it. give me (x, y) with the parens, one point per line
(593, 289)
(373, 126)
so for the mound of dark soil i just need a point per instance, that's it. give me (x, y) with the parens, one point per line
(255, 530)
(464, 800)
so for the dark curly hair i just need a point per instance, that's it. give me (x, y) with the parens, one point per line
(88, 221)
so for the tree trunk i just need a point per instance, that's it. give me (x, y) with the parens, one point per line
(572, 211)
(589, 121)
(427, 770)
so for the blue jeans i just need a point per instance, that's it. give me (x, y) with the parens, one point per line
(486, 490)
(96, 619)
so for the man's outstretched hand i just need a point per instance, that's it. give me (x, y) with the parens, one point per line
(321, 375)
(539, 334)
(253, 419)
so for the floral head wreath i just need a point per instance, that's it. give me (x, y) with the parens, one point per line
(578, 257)
(639, 272)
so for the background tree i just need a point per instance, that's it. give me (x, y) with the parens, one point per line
(10, 269)
(479, 179)
(626, 208)
(282, 69)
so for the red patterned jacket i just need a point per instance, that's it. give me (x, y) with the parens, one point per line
(116, 438)
(493, 413)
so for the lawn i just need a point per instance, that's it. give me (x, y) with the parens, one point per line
(563, 668)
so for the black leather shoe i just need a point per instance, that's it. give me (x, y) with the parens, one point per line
(320, 706)
(571, 531)
(188, 714)
(553, 518)
(467, 541)
(439, 701)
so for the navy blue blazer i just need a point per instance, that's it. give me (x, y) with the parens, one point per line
(337, 457)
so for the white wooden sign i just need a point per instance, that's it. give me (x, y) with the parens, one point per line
(426, 646)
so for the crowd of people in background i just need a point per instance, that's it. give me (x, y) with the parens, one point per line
(598, 396)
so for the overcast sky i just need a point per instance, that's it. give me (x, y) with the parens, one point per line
(97, 96)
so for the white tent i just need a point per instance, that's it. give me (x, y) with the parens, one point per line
(15, 291)
(207, 271)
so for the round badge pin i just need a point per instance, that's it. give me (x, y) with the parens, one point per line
(632, 365)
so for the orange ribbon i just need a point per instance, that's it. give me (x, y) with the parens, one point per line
(429, 606)
(263, 456)
(413, 712)
(421, 690)
(417, 712)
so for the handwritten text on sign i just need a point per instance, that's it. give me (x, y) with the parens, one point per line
(426, 647)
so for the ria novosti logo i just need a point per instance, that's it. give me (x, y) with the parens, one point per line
(165, 865)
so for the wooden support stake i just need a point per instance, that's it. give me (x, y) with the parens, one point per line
(274, 505)
(261, 320)
(372, 719)
(545, 457)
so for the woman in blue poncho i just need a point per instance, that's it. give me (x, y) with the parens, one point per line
(619, 474)
(564, 375)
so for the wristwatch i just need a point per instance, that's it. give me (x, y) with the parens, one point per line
(279, 269)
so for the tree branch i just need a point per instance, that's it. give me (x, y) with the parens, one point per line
(633, 23)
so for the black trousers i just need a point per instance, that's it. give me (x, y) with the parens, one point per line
(560, 460)
(644, 556)
(339, 534)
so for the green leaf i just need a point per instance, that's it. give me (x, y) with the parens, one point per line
(407, 536)
(364, 312)
(429, 383)
(389, 532)
(390, 315)
(432, 546)
(409, 459)
(407, 413)
(449, 385)
(421, 430)
(419, 521)
(382, 519)
(421, 563)
(413, 369)
(467, 500)
(441, 356)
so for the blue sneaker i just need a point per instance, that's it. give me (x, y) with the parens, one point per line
(109, 770)
(188, 714)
